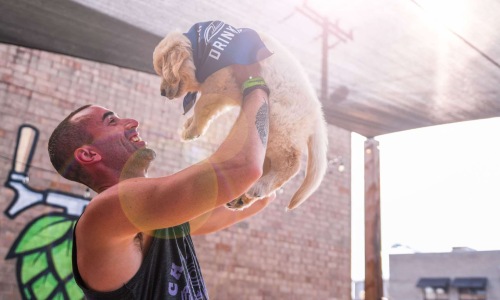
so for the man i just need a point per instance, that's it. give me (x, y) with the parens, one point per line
(133, 240)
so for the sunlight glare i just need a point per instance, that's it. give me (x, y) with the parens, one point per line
(324, 6)
(451, 13)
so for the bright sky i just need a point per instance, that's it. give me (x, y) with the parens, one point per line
(440, 188)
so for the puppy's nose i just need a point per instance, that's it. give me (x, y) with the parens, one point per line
(163, 93)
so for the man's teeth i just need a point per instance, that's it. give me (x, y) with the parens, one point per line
(135, 139)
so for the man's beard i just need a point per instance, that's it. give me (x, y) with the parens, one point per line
(138, 163)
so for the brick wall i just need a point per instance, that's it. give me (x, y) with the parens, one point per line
(303, 254)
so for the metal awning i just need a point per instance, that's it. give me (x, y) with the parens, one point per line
(441, 282)
(470, 282)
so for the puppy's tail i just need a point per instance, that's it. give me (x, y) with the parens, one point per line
(317, 146)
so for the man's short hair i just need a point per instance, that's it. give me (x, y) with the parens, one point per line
(65, 139)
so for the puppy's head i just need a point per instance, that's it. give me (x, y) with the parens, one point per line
(173, 61)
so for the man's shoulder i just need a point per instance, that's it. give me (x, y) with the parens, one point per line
(105, 217)
(103, 198)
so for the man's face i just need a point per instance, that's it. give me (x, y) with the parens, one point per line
(115, 139)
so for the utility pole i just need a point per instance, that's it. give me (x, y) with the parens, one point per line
(373, 264)
(328, 28)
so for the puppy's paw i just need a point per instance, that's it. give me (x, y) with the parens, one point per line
(190, 133)
(236, 204)
(188, 122)
(192, 129)
(240, 203)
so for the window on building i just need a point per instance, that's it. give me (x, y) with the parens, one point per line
(435, 293)
(471, 294)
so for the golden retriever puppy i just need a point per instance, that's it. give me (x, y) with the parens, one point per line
(296, 118)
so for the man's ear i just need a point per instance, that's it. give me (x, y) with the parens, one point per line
(86, 155)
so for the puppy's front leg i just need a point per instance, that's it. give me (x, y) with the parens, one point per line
(208, 107)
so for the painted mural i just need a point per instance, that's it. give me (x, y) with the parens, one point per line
(43, 249)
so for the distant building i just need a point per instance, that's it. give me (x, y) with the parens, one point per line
(463, 274)
(358, 289)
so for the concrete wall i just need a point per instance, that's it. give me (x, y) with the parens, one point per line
(406, 269)
(304, 254)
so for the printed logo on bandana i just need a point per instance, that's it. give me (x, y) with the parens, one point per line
(212, 30)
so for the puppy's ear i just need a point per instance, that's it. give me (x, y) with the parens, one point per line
(173, 60)
(167, 44)
(158, 56)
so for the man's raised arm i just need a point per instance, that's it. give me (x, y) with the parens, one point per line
(142, 204)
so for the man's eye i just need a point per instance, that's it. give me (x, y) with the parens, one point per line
(112, 121)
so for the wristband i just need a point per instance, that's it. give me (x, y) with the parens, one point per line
(256, 87)
(253, 84)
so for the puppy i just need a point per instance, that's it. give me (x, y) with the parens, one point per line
(190, 63)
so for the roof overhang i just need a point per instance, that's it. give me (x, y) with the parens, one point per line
(398, 72)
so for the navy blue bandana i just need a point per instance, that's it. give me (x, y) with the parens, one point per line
(217, 45)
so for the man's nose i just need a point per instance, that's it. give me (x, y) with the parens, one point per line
(131, 123)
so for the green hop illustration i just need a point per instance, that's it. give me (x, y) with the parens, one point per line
(43, 251)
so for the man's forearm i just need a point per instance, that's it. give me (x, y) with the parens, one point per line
(221, 217)
(242, 152)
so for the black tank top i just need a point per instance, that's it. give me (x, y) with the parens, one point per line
(170, 270)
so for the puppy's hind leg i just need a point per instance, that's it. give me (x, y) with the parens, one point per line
(279, 167)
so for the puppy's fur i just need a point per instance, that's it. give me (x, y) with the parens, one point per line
(296, 118)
